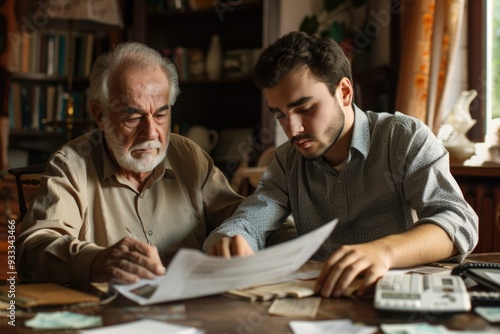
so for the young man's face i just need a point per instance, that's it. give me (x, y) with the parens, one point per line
(311, 118)
(139, 120)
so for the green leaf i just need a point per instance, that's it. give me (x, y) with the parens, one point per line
(332, 4)
(337, 31)
(309, 24)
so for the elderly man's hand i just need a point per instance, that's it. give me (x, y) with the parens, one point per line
(125, 262)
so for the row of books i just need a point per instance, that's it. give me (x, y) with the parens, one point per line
(31, 107)
(48, 52)
(189, 62)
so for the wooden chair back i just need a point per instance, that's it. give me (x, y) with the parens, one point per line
(26, 176)
(247, 178)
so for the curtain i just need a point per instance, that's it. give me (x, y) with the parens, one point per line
(433, 68)
(9, 25)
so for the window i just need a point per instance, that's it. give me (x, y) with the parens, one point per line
(493, 59)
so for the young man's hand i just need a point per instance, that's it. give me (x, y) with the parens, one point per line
(125, 262)
(421, 244)
(234, 246)
(347, 263)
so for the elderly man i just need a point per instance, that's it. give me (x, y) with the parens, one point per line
(116, 203)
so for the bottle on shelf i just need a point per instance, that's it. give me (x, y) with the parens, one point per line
(214, 58)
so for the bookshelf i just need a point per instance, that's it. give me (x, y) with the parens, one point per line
(38, 90)
(38, 93)
(49, 72)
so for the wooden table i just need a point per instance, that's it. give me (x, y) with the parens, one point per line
(220, 315)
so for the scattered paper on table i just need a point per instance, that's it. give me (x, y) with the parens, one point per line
(306, 275)
(143, 326)
(490, 313)
(330, 326)
(194, 274)
(291, 307)
(296, 289)
(62, 320)
(430, 270)
(494, 277)
(420, 328)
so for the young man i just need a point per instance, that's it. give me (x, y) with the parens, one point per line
(385, 177)
(129, 176)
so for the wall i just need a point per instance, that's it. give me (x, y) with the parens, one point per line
(292, 12)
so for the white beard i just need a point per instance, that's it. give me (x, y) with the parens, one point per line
(145, 163)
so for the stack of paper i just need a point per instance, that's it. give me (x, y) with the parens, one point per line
(144, 326)
(193, 273)
(295, 289)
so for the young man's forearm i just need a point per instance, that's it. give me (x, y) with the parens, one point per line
(423, 243)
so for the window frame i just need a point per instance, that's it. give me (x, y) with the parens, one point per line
(476, 63)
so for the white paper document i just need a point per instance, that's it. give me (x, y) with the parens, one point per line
(494, 277)
(192, 273)
(330, 326)
(143, 326)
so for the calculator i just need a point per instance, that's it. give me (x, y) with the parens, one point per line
(420, 292)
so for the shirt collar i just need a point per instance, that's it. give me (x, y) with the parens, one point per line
(108, 165)
(167, 167)
(361, 132)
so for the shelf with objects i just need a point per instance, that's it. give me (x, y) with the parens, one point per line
(48, 83)
(214, 46)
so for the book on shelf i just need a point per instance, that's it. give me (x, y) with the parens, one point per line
(40, 107)
(50, 101)
(26, 115)
(24, 55)
(34, 57)
(51, 57)
(189, 62)
(15, 106)
(31, 107)
(48, 52)
(35, 108)
(62, 55)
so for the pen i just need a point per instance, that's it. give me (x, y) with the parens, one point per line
(130, 234)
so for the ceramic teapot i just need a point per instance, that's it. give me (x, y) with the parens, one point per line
(206, 138)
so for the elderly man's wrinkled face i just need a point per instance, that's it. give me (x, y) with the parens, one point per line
(138, 123)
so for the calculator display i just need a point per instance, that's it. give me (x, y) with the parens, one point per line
(396, 295)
